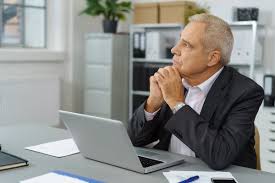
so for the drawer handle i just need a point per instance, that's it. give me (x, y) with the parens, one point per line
(273, 113)
(271, 150)
(272, 122)
(272, 140)
(272, 131)
(271, 161)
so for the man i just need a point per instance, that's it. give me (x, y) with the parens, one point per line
(199, 106)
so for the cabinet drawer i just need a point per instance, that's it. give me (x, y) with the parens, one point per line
(268, 153)
(98, 77)
(266, 133)
(271, 124)
(99, 50)
(97, 102)
(267, 142)
(266, 121)
(267, 113)
(267, 147)
(268, 165)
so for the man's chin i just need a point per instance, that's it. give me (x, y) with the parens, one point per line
(177, 66)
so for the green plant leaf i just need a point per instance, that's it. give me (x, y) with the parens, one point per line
(110, 9)
(121, 16)
(94, 8)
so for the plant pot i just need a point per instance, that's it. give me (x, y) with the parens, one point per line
(109, 26)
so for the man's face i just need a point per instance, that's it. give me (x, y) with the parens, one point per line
(190, 57)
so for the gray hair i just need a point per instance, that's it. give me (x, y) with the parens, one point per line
(217, 35)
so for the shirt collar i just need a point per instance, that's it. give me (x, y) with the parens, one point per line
(206, 85)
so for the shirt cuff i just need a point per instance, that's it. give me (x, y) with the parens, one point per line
(149, 116)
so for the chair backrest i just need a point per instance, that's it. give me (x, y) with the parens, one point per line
(257, 148)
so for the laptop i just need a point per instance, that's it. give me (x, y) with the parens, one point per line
(107, 141)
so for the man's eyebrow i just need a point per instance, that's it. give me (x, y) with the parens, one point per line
(183, 40)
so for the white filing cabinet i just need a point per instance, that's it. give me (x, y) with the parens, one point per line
(265, 122)
(106, 75)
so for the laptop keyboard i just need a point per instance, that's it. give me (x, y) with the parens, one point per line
(146, 162)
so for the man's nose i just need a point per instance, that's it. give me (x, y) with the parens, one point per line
(175, 51)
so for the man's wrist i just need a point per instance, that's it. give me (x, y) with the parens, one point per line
(177, 107)
(150, 107)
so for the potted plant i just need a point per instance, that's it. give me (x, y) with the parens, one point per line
(112, 11)
(193, 10)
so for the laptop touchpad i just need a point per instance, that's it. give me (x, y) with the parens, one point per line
(146, 153)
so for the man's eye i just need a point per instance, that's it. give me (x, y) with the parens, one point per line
(186, 45)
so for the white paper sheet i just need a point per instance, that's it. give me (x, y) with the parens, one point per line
(58, 149)
(53, 178)
(204, 177)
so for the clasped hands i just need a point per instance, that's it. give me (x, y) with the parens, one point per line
(165, 85)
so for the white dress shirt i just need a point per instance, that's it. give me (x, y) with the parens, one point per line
(195, 98)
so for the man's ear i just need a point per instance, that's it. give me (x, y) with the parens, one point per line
(214, 57)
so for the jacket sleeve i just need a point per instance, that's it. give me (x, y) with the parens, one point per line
(142, 132)
(218, 147)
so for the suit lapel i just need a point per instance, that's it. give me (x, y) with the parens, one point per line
(216, 93)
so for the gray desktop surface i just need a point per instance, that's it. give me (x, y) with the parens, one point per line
(14, 138)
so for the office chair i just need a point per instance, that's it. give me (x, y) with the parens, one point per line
(257, 148)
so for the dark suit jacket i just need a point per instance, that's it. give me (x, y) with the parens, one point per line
(223, 134)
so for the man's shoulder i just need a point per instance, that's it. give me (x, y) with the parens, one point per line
(242, 82)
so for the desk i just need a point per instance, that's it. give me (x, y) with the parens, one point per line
(15, 138)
